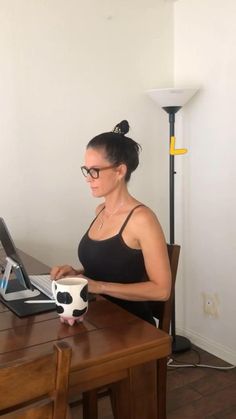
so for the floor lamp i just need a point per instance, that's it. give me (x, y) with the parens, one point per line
(172, 100)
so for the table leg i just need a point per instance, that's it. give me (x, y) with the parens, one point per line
(161, 387)
(136, 396)
(90, 404)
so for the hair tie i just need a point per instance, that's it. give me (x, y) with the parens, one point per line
(122, 128)
(117, 130)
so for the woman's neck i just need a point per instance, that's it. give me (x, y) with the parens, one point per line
(114, 202)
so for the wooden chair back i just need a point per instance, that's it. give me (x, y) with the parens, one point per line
(162, 310)
(36, 388)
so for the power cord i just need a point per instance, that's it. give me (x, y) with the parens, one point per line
(198, 364)
(169, 364)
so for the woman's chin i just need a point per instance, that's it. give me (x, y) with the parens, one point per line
(95, 193)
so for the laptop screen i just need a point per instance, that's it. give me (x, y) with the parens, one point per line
(10, 250)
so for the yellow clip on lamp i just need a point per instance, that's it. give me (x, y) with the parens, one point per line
(172, 100)
(176, 151)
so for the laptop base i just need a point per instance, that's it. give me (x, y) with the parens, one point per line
(19, 307)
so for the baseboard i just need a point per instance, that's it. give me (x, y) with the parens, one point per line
(217, 349)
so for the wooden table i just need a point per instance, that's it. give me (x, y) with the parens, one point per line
(111, 345)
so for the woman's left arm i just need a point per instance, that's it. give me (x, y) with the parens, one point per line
(147, 231)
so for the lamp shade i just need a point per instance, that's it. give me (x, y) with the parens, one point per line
(172, 96)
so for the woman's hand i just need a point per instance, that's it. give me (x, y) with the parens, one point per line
(58, 272)
(95, 287)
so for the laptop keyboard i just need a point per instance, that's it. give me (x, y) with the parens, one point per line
(43, 283)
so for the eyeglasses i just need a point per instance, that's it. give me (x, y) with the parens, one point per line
(94, 171)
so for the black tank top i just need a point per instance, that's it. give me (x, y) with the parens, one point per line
(111, 260)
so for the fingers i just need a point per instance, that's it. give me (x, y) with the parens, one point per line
(58, 272)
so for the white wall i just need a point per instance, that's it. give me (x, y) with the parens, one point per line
(72, 69)
(68, 71)
(205, 55)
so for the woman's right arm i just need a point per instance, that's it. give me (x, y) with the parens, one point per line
(58, 272)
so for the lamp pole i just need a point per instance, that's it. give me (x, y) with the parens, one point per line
(179, 343)
(171, 110)
(171, 101)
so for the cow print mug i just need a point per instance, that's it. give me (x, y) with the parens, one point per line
(71, 297)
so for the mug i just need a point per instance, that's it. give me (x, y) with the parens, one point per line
(71, 298)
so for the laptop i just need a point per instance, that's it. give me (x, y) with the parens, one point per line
(20, 287)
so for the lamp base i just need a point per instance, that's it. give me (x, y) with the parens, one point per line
(180, 344)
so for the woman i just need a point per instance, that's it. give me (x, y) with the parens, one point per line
(123, 253)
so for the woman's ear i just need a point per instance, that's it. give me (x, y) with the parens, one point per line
(122, 170)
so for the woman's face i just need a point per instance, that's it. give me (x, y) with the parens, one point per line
(108, 179)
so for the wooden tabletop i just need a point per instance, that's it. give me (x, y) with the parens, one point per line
(108, 343)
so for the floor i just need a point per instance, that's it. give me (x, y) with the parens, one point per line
(192, 393)
(195, 393)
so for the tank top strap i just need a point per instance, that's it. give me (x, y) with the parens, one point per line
(95, 218)
(128, 217)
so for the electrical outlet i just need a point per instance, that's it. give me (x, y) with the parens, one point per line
(211, 304)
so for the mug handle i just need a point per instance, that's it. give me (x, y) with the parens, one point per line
(54, 289)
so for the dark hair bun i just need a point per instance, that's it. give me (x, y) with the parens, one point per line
(122, 128)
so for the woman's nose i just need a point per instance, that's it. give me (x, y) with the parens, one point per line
(89, 178)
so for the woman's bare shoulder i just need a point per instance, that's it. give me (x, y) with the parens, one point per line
(146, 225)
(145, 221)
(144, 214)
